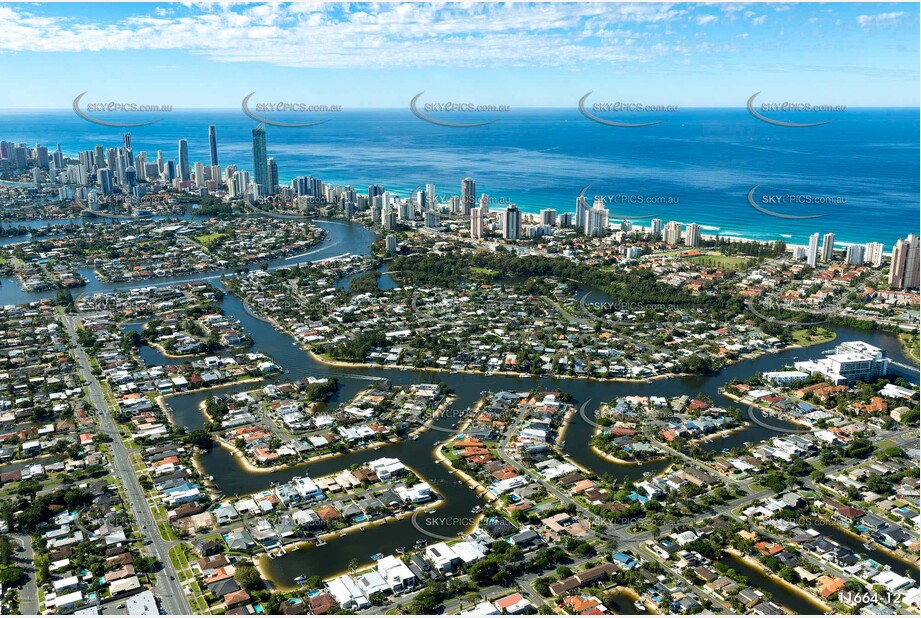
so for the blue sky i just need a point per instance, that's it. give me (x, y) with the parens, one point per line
(522, 55)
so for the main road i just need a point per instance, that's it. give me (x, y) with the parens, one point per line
(167, 585)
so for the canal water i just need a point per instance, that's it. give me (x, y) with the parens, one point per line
(453, 514)
(782, 592)
(847, 539)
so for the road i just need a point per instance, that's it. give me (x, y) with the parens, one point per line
(167, 586)
(25, 560)
(702, 593)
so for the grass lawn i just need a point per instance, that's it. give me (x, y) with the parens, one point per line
(166, 530)
(210, 239)
(910, 343)
(180, 562)
(802, 336)
(483, 272)
(716, 260)
(882, 446)
(177, 559)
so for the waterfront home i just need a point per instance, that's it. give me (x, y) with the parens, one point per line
(387, 468)
(320, 604)
(307, 489)
(371, 583)
(442, 557)
(239, 540)
(768, 608)
(225, 514)
(397, 575)
(347, 593)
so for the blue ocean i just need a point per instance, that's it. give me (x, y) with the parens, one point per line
(697, 166)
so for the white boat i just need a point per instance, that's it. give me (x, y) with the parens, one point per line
(639, 605)
(300, 579)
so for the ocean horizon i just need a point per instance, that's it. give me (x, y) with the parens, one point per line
(698, 165)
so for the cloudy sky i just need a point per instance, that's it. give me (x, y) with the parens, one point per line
(525, 55)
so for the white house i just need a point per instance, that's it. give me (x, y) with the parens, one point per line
(397, 575)
(347, 593)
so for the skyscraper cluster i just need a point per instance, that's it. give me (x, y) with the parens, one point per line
(904, 269)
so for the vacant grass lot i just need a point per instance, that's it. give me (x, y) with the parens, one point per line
(809, 336)
(716, 260)
(210, 239)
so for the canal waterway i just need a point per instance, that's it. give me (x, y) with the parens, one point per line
(782, 592)
(454, 512)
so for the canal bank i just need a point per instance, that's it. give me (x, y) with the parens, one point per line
(857, 545)
(784, 593)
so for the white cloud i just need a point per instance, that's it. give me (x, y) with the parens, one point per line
(880, 19)
(367, 35)
(704, 20)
